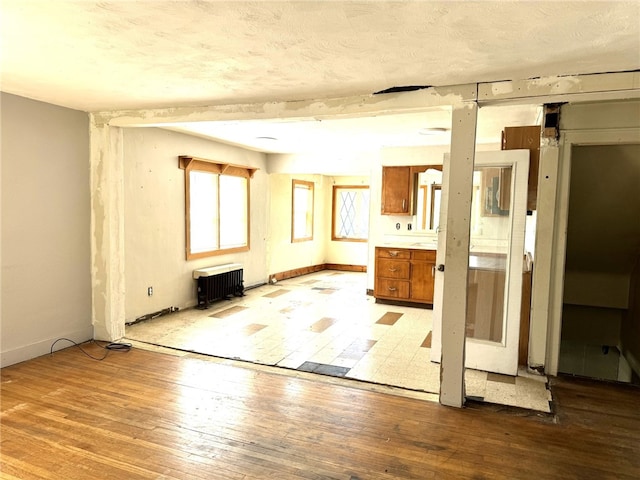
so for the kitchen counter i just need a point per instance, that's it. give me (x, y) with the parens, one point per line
(414, 245)
(495, 262)
(488, 262)
(477, 261)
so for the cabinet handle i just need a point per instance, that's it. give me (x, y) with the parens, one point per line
(394, 269)
(404, 204)
(433, 271)
(392, 289)
(393, 253)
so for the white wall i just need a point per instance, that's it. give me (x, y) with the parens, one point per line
(155, 219)
(283, 254)
(325, 169)
(46, 283)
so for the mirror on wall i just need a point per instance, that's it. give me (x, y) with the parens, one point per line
(429, 198)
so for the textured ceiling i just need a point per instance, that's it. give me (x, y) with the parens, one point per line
(109, 55)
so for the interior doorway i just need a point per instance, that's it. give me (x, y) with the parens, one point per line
(600, 333)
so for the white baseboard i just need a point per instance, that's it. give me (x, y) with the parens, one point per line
(43, 347)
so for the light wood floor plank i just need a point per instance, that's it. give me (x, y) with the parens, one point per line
(143, 415)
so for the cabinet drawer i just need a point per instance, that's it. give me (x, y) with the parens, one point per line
(423, 255)
(387, 268)
(393, 288)
(392, 253)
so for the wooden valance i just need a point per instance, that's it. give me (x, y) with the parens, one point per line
(194, 163)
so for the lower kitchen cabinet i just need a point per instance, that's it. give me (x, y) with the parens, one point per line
(405, 274)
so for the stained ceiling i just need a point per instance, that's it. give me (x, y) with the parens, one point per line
(110, 55)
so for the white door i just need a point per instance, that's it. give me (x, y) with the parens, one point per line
(496, 259)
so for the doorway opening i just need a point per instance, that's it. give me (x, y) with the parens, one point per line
(600, 333)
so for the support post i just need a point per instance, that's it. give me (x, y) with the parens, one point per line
(454, 307)
(107, 231)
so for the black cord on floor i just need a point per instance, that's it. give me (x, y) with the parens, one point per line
(119, 347)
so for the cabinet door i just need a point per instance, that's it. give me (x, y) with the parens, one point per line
(422, 280)
(397, 185)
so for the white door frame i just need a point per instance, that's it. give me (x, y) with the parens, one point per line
(568, 140)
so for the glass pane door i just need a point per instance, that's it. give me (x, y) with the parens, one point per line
(496, 257)
(490, 241)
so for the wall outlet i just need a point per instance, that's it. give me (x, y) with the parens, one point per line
(150, 291)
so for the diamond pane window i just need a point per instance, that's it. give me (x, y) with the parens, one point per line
(350, 213)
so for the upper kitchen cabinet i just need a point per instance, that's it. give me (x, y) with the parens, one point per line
(526, 138)
(397, 190)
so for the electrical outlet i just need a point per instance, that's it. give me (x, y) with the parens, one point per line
(150, 291)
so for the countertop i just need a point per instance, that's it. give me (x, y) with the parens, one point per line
(490, 261)
(414, 246)
(477, 260)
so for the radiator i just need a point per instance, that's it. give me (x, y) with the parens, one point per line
(219, 282)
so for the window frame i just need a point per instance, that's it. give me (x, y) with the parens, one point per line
(189, 164)
(334, 215)
(311, 211)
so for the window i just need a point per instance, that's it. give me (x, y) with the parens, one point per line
(350, 219)
(301, 211)
(217, 207)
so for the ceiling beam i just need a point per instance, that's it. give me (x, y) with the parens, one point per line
(318, 109)
(573, 88)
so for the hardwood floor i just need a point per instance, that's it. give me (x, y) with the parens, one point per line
(142, 415)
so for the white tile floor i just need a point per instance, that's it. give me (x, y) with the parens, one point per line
(325, 323)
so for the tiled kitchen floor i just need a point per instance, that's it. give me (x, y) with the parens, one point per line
(325, 323)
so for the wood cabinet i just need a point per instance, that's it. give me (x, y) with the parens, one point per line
(526, 138)
(404, 274)
(393, 270)
(423, 264)
(397, 190)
